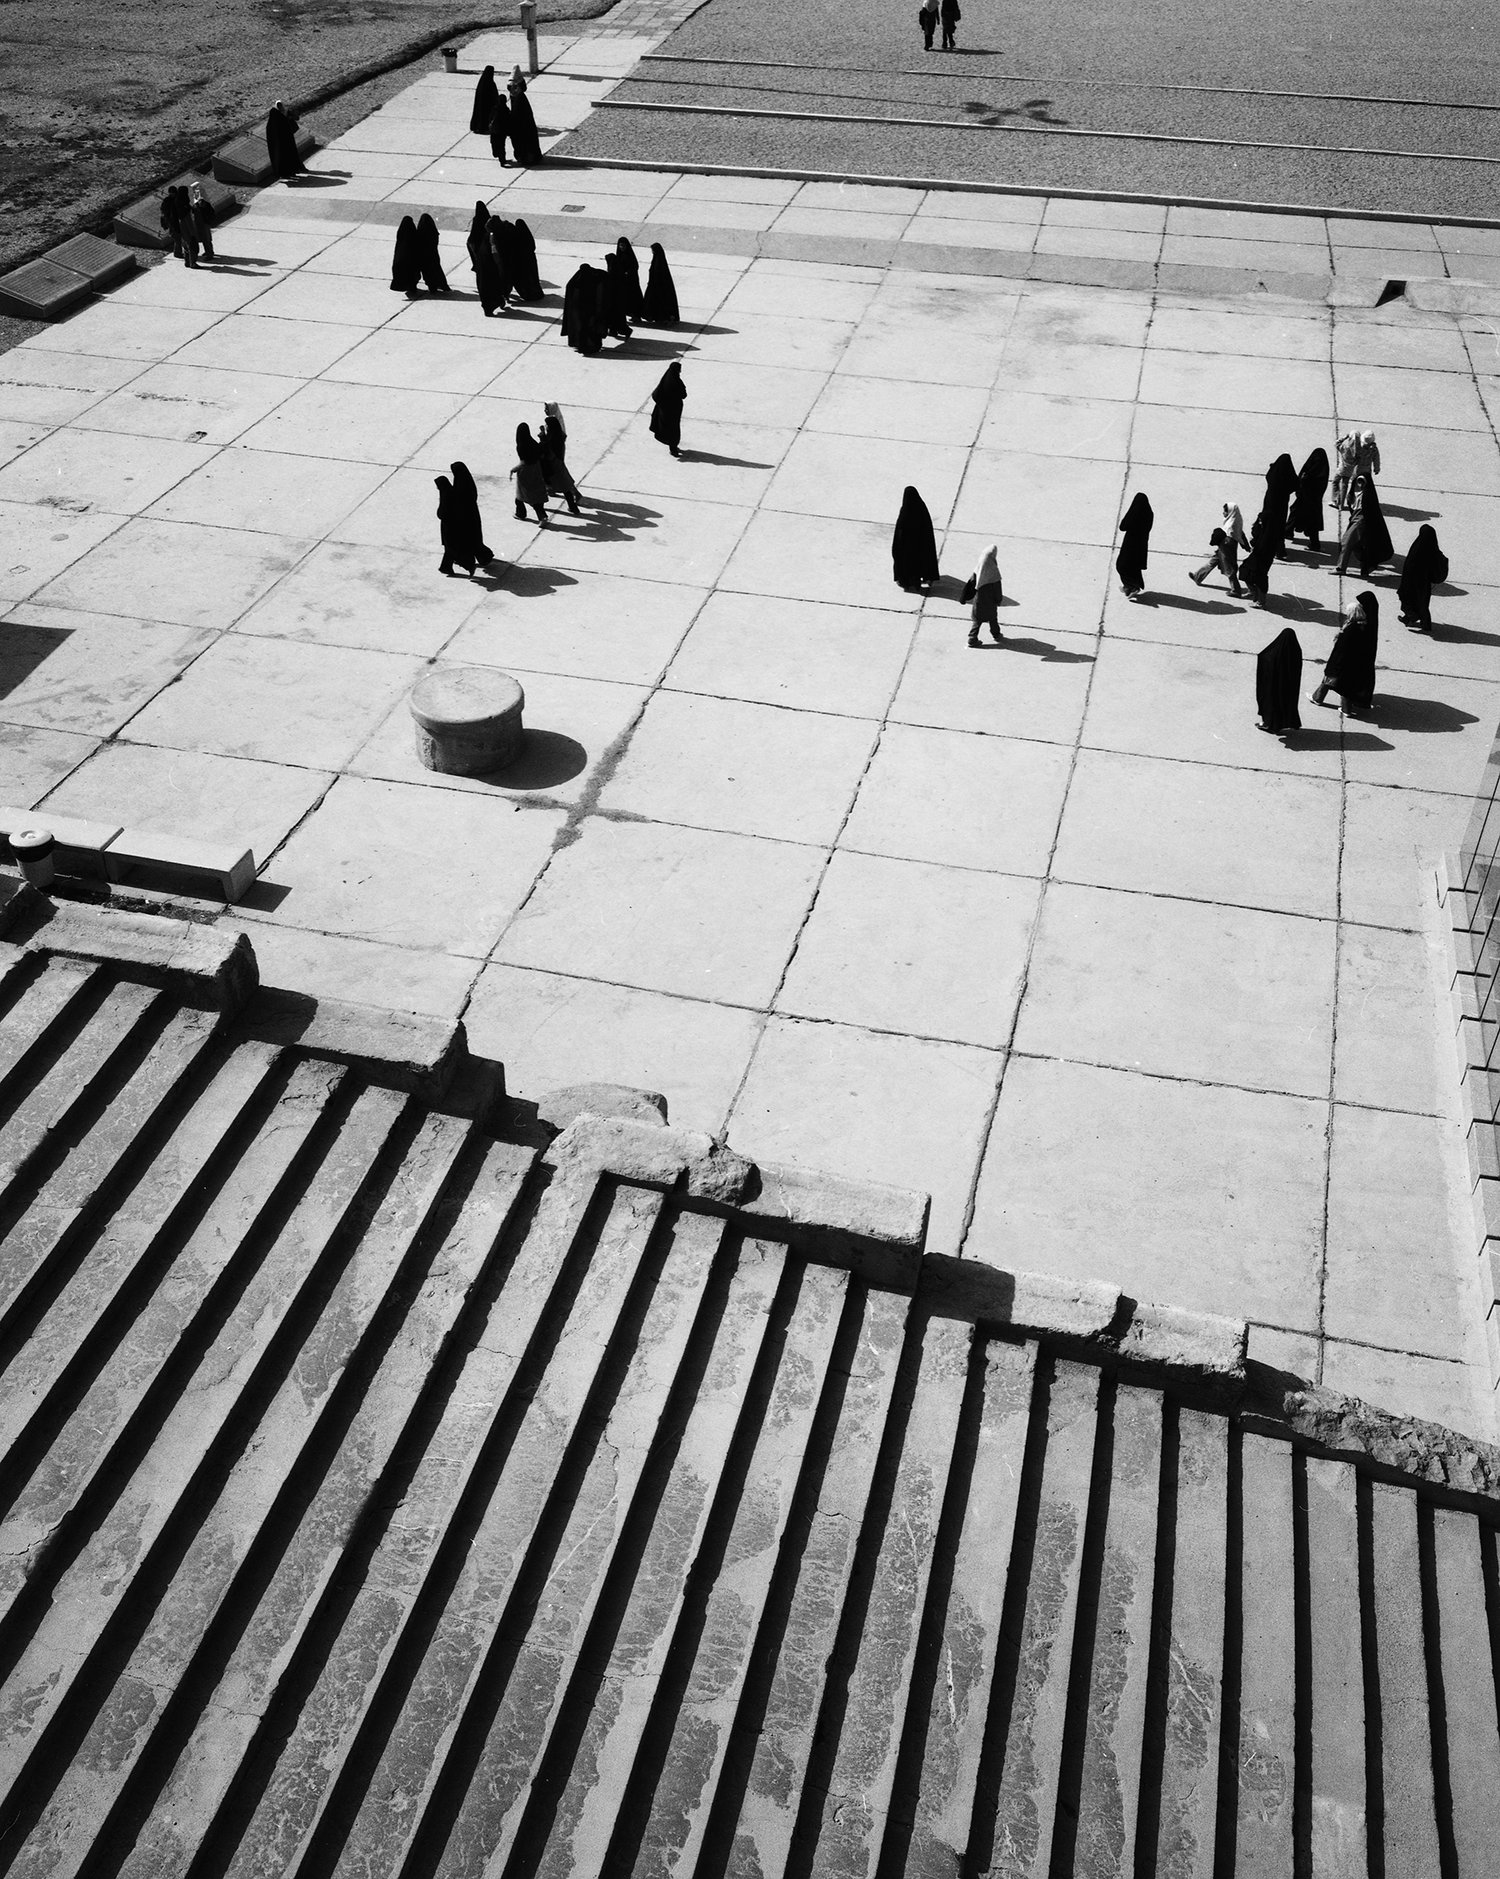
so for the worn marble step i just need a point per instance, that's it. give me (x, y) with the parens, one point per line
(93, 1173)
(93, 1308)
(464, 1514)
(214, 1413)
(118, 1413)
(290, 1444)
(261, 1638)
(40, 999)
(76, 1072)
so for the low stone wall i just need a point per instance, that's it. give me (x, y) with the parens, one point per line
(1468, 891)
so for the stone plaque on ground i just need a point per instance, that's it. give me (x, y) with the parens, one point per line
(101, 263)
(42, 290)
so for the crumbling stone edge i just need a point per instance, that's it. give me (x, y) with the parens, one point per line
(879, 1232)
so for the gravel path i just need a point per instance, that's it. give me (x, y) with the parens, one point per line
(1027, 68)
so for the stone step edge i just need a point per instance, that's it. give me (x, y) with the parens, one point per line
(406, 1050)
(205, 965)
(880, 1232)
(966, 185)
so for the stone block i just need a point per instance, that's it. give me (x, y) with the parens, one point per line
(1477, 1039)
(245, 160)
(1489, 1275)
(877, 1230)
(140, 224)
(1484, 1157)
(1486, 1211)
(559, 1108)
(468, 720)
(1481, 1095)
(400, 1048)
(205, 964)
(100, 263)
(232, 867)
(1034, 1302)
(1466, 995)
(42, 290)
(1209, 1345)
(1492, 1346)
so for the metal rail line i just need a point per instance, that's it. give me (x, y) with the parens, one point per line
(1039, 130)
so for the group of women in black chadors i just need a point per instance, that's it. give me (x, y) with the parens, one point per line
(1293, 506)
(506, 120)
(606, 303)
(541, 470)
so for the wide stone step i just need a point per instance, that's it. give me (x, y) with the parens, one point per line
(92, 1306)
(257, 1641)
(483, 1478)
(82, 1069)
(37, 1006)
(289, 1445)
(214, 1414)
(384, 1499)
(104, 1426)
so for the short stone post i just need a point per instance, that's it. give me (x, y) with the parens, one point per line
(528, 26)
(468, 720)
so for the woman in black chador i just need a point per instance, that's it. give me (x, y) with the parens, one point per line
(459, 524)
(489, 279)
(486, 97)
(1281, 486)
(616, 293)
(406, 262)
(1425, 567)
(914, 561)
(1130, 562)
(553, 440)
(630, 280)
(1366, 538)
(1278, 683)
(1306, 517)
(428, 258)
(1350, 670)
(1255, 569)
(281, 142)
(666, 408)
(659, 302)
(524, 142)
(499, 129)
(525, 280)
(583, 310)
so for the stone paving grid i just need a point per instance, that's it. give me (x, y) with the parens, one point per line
(1053, 931)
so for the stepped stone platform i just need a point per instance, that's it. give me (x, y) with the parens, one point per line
(385, 1495)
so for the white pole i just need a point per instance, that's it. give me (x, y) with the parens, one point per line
(528, 23)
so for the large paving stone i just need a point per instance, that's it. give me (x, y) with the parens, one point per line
(1158, 1171)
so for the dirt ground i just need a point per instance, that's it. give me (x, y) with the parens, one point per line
(99, 103)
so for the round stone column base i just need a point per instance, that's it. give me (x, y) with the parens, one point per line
(468, 720)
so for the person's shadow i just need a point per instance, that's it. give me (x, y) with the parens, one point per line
(1418, 716)
(728, 463)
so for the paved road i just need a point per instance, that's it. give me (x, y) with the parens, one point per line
(1076, 65)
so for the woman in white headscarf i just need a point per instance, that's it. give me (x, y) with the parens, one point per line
(985, 608)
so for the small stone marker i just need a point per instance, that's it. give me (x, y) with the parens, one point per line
(468, 720)
(100, 263)
(42, 290)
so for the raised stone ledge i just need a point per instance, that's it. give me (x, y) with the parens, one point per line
(1090, 1312)
(207, 965)
(400, 1048)
(1347, 1427)
(877, 1231)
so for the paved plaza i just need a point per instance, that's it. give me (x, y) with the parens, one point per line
(1052, 929)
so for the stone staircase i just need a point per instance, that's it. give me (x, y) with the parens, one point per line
(384, 1497)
